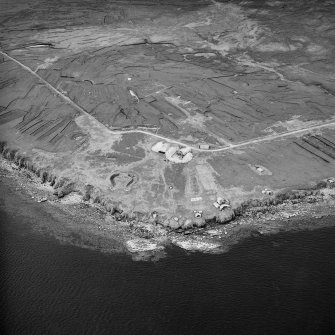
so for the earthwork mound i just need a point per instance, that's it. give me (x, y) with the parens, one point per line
(123, 180)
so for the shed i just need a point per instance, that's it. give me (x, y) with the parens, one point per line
(204, 146)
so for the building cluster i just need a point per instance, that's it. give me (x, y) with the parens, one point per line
(173, 152)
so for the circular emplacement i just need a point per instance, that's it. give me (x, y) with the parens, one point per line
(123, 180)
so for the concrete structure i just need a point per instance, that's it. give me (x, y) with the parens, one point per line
(173, 152)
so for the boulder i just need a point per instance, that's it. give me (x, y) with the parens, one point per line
(199, 222)
(172, 224)
(187, 224)
(225, 216)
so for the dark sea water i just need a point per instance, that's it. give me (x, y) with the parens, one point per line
(280, 284)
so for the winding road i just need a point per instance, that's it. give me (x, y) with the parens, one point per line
(328, 124)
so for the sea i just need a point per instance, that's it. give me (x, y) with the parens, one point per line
(277, 284)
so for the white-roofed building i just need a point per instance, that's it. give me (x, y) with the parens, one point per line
(173, 152)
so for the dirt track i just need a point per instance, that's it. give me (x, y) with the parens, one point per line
(231, 146)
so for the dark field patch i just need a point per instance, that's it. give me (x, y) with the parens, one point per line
(128, 145)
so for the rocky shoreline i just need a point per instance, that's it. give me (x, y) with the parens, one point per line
(252, 207)
(145, 237)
